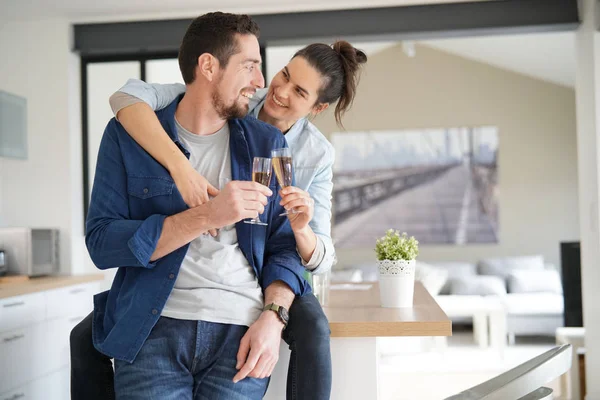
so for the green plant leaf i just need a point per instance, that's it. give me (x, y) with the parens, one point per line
(395, 246)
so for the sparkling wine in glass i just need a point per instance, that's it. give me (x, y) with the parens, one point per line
(282, 164)
(261, 173)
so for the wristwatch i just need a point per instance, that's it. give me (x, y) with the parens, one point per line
(282, 313)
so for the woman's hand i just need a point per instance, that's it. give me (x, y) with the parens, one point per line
(194, 188)
(298, 199)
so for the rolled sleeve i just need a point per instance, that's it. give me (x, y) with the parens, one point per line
(156, 95)
(120, 100)
(277, 272)
(144, 240)
(317, 256)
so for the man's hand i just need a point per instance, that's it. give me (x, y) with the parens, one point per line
(298, 199)
(194, 188)
(262, 341)
(237, 201)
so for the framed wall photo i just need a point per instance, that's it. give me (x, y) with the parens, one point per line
(440, 185)
(13, 126)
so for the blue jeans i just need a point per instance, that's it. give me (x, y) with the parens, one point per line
(184, 360)
(309, 371)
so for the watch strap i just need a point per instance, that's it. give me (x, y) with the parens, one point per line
(278, 310)
(272, 306)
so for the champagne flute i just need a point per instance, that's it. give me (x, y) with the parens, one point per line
(261, 173)
(282, 164)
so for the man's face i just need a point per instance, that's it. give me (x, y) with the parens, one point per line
(237, 83)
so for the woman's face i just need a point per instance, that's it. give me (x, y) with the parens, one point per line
(293, 92)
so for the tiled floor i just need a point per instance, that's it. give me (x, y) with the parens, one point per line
(407, 373)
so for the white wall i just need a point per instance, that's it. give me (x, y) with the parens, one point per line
(2, 223)
(35, 65)
(45, 190)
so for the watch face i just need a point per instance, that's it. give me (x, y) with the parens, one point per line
(283, 313)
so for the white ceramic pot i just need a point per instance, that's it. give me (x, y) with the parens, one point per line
(396, 283)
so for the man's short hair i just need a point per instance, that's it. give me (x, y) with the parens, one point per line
(213, 33)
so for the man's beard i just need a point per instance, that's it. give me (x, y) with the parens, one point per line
(225, 111)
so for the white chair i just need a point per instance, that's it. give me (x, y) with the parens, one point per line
(525, 381)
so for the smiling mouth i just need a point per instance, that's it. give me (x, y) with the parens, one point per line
(277, 102)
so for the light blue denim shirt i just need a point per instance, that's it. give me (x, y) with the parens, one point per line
(312, 153)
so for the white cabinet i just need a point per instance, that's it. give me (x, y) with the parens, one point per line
(54, 386)
(56, 346)
(16, 357)
(22, 393)
(34, 352)
(19, 311)
(72, 301)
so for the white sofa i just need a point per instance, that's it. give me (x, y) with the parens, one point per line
(529, 289)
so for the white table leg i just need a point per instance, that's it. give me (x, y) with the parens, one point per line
(566, 391)
(441, 343)
(480, 333)
(355, 370)
(498, 330)
(574, 375)
(570, 388)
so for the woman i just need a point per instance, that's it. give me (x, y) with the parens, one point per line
(317, 76)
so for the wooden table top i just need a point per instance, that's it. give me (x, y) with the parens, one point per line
(357, 313)
(34, 285)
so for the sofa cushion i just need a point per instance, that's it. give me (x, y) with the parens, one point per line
(531, 281)
(432, 278)
(456, 270)
(478, 285)
(346, 275)
(503, 266)
(369, 270)
(533, 304)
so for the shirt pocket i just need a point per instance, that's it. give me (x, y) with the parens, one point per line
(144, 187)
(150, 195)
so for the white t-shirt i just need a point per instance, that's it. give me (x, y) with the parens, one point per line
(215, 282)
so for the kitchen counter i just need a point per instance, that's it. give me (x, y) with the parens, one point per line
(40, 284)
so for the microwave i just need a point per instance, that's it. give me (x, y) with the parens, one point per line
(29, 251)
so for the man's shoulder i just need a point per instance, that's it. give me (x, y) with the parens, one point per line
(114, 128)
(118, 134)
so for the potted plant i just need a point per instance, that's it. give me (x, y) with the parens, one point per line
(396, 255)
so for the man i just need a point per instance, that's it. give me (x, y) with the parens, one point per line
(176, 318)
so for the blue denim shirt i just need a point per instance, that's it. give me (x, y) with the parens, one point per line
(131, 197)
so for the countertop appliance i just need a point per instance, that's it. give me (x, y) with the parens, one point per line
(30, 251)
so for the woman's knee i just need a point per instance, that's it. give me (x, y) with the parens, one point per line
(80, 339)
(308, 319)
